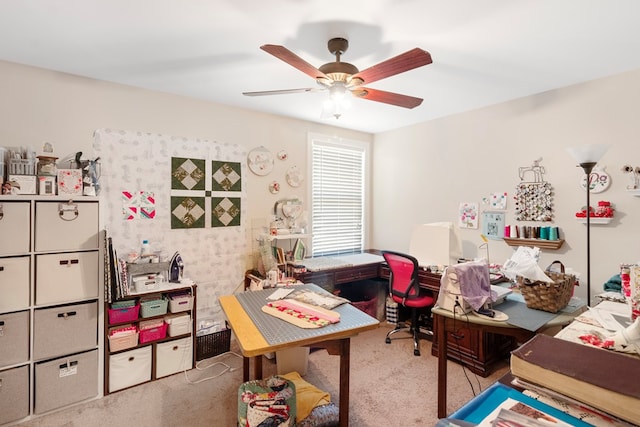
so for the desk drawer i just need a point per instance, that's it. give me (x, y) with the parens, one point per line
(359, 273)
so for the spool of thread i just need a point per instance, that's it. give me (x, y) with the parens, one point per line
(554, 233)
(507, 231)
(544, 233)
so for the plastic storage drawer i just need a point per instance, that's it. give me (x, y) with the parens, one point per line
(152, 308)
(174, 356)
(14, 283)
(14, 338)
(14, 394)
(61, 382)
(14, 227)
(66, 277)
(178, 303)
(64, 329)
(129, 368)
(178, 325)
(66, 226)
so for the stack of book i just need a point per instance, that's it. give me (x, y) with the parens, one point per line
(599, 386)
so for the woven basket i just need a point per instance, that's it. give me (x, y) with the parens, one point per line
(551, 297)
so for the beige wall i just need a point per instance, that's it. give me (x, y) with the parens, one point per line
(39, 105)
(422, 173)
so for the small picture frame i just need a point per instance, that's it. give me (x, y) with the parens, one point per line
(47, 185)
(299, 250)
(493, 225)
(70, 182)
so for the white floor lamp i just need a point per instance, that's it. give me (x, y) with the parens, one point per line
(587, 157)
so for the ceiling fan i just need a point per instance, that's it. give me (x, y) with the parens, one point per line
(342, 79)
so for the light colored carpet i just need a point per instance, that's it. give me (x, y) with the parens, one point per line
(389, 387)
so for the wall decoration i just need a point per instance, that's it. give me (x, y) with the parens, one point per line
(260, 161)
(187, 174)
(274, 187)
(225, 211)
(468, 215)
(493, 225)
(599, 180)
(294, 176)
(187, 212)
(138, 205)
(534, 201)
(282, 155)
(499, 200)
(214, 256)
(227, 176)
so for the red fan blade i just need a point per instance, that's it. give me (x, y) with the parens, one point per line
(387, 97)
(294, 60)
(398, 64)
(282, 92)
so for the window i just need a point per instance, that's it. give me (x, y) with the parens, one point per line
(337, 188)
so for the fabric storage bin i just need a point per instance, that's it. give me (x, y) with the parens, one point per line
(180, 302)
(14, 228)
(124, 314)
(129, 368)
(64, 329)
(14, 394)
(61, 382)
(63, 277)
(174, 356)
(66, 226)
(14, 338)
(152, 331)
(123, 338)
(178, 325)
(14, 283)
(156, 307)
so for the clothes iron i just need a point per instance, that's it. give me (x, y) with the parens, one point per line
(176, 268)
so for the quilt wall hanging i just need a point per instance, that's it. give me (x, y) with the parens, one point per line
(181, 194)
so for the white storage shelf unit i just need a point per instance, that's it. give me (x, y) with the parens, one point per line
(50, 303)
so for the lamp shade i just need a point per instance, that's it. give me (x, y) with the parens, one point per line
(588, 153)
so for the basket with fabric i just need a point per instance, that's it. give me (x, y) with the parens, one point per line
(551, 297)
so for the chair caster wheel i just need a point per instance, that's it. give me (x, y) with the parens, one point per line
(416, 352)
(388, 340)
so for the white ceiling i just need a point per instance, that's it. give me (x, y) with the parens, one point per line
(484, 51)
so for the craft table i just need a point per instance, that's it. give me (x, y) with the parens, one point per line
(259, 333)
(445, 321)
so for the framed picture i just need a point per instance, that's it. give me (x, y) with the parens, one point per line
(493, 225)
(47, 185)
(299, 250)
(278, 254)
(70, 182)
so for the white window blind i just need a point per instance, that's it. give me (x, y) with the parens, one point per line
(337, 197)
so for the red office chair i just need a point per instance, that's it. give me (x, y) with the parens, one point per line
(405, 289)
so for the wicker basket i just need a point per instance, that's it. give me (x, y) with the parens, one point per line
(551, 297)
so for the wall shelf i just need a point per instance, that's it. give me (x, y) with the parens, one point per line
(596, 220)
(540, 243)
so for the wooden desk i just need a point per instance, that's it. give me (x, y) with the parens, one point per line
(445, 322)
(336, 338)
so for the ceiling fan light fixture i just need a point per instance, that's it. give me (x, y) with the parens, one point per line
(338, 101)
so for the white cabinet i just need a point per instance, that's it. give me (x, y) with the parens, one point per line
(50, 303)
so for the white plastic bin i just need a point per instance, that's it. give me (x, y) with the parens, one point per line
(292, 359)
